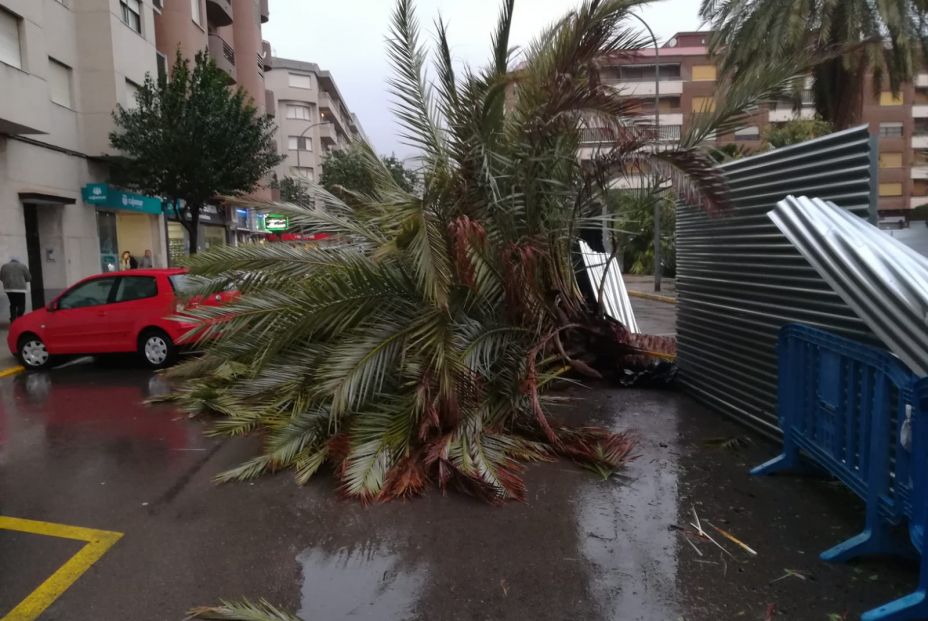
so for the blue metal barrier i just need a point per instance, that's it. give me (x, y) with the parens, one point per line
(850, 409)
(914, 605)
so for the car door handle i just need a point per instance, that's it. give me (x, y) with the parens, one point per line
(101, 313)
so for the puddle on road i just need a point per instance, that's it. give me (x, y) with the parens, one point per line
(364, 582)
(623, 526)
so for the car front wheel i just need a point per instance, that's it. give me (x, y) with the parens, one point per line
(32, 352)
(157, 349)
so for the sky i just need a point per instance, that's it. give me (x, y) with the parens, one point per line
(347, 37)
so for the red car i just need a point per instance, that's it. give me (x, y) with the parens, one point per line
(116, 312)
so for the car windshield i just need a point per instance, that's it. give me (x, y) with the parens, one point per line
(182, 283)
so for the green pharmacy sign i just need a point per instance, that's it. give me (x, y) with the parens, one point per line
(105, 195)
(276, 222)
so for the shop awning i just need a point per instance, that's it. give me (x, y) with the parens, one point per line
(106, 196)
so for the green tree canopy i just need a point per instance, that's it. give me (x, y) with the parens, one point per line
(193, 139)
(347, 169)
(850, 38)
(795, 131)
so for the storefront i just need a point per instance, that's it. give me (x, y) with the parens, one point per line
(213, 231)
(126, 221)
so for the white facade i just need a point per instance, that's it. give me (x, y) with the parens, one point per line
(78, 59)
(312, 117)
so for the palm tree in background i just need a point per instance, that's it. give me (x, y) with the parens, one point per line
(852, 38)
(417, 348)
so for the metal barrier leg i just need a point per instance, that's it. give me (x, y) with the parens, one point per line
(787, 461)
(912, 607)
(876, 539)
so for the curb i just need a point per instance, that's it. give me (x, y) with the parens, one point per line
(666, 299)
(11, 371)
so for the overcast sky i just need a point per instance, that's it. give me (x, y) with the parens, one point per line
(347, 38)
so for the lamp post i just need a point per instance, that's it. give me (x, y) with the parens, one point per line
(657, 128)
(302, 134)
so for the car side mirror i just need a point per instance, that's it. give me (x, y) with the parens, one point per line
(52, 306)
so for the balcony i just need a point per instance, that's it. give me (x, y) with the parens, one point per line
(921, 80)
(266, 54)
(29, 111)
(270, 103)
(265, 12)
(920, 141)
(328, 135)
(219, 12)
(920, 172)
(920, 111)
(222, 54)
(644, 88)
(781, 115)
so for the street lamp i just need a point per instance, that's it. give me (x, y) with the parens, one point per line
(302, 134)
(657, 127)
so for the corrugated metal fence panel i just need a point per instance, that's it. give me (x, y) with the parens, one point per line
(739, 279)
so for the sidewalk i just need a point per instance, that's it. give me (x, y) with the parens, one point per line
(6, 359)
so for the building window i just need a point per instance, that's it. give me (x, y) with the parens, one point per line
(890, 160)
(132, 95)
(704, 73)
(302, 172)
(300, 112)
(10, 51)
(300, 143)
(195, 12)
(643, 73)
(132, 14)
(298, 80)
(59, 83)
(890, 130)
(888, 99)
(890, 189)
(161, 61)
(747, 133)
(703, 104)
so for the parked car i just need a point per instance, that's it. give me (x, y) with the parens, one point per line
(109, 314)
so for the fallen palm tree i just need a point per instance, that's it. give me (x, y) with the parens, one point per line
(417, 348)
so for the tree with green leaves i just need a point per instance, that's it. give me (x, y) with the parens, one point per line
(418, 349)
(795, 131)
(346, 170)
(293, 190)
(850, 38)
(191, 139)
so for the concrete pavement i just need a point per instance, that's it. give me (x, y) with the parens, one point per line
(77, 447)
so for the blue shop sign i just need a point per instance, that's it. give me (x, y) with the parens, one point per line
(105, 195)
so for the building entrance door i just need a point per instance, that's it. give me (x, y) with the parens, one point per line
(34, 252)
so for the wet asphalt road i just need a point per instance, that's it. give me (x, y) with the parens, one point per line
(77, 447)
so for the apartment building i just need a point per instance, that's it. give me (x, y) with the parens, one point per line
(64, 65)
(231, 32)
(687, 79)
(312, 117)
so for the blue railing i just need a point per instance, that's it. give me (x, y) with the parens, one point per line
(859, 413)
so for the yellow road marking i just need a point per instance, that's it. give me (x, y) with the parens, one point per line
(666, 299)
(11, 371)
(98, 542)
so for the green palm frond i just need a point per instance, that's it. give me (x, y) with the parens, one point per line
(414, 347)
(242, 611)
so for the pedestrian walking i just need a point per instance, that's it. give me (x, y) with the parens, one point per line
(145, 261)
(127, 261)
(14, 276)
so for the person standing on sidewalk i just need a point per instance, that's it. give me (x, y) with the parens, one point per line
(14, 276)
